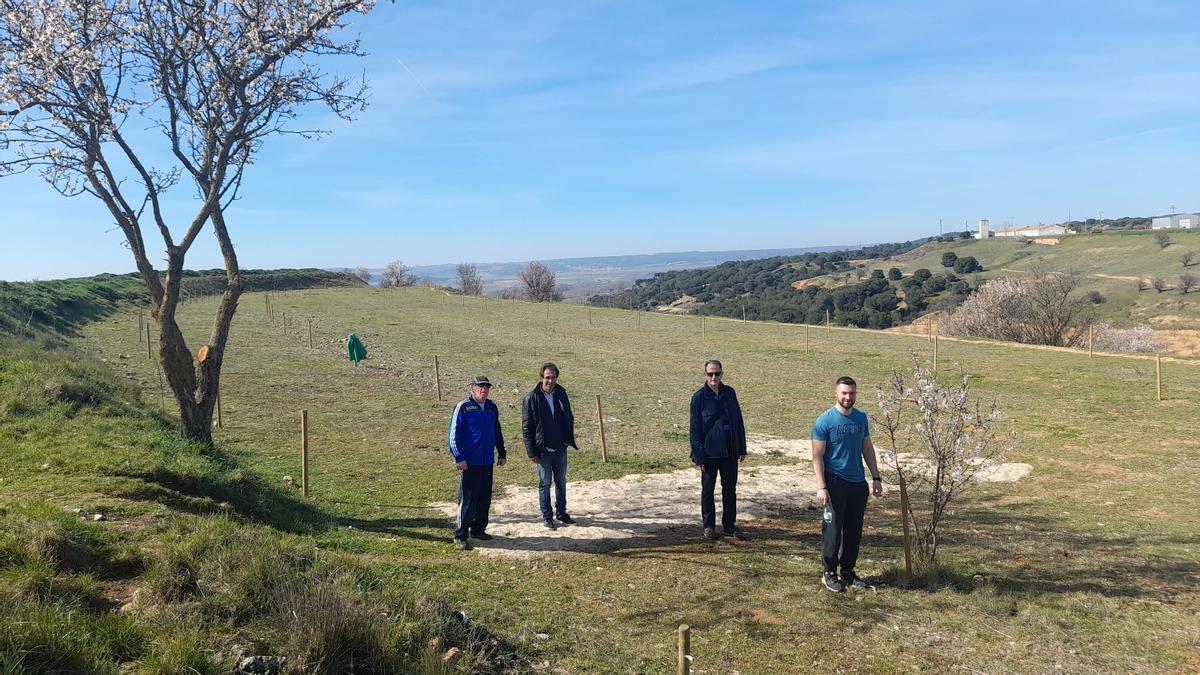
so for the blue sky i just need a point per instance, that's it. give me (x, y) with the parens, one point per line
(523, 130)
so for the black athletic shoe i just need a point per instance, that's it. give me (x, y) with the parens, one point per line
(831, 583)
(548, 524)
(850, 580)
(737, 533)
(483, 536)
(566, 518)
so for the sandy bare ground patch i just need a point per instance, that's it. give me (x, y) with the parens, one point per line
(1115, 277)
(640, 509)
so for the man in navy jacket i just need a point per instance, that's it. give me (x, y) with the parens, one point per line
(718, 438)
(548, 427)
(475, 436)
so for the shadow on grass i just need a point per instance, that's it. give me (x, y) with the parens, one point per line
(410, 528)
(218, 485)
(1036, 554)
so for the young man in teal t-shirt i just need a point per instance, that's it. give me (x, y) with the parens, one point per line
(841, 442)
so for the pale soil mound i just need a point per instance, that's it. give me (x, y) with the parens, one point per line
(684, 305)
(639, 510)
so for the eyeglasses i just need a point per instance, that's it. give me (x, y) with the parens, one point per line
(713, 374)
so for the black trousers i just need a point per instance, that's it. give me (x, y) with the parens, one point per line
(728, 470)
(841, 536)
(474, 501)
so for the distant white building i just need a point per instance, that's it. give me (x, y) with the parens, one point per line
(1176, 220)
(1034, 231)
(984, 229)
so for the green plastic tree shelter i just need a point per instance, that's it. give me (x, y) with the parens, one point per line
(355, 349)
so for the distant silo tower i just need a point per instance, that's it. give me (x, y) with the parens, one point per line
(983, 229)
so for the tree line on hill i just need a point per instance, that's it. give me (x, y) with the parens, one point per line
(764, 289)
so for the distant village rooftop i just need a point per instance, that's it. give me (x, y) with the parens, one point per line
(1030, 231)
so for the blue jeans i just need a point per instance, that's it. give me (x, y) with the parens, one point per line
(553, 466)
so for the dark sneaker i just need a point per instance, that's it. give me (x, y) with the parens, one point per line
(737, 533)
(483, 536)
(548, 524)
(831, 583)
(567, 519)
(462, 544)
(710, 533)
(850, 580)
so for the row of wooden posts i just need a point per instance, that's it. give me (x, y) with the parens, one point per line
(304, 443)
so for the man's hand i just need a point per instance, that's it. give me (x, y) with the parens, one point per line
(461, 466)
(877, 488)
(701, 467)
(741, 458)
(502, 461)
(536, 460)
(823, 496)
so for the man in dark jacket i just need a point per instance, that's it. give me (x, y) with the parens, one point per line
(475, 439)
(718, 438)
(548, 427)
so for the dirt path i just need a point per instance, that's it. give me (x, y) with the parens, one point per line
(640, 509)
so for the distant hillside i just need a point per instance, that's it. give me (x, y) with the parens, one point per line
(773, 289)
(894, 284)
(1111, 264)
(581, 277)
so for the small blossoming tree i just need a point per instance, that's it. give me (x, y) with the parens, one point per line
(82, 80)
(938, 439)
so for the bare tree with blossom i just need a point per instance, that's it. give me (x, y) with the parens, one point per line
(363, 274)
(538, 283)
(80, 81)
(938, 440)
(468, 279)
(1042, 310)
(397, 275)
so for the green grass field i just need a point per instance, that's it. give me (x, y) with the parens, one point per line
(1091, 564)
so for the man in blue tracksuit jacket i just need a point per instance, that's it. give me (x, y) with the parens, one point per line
(474, 436)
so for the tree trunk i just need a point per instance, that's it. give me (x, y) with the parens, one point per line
(195, 384)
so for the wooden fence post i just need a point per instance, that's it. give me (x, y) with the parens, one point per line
(437, 376)
(310, 333)
(827, 319)
(805, 338)
(141, 323)
(929, 326)
(907, 536)
(162, 395)
(935, 354)
(703, 329)
(148, 356)
(304, 452)
(682, 656)
(603, 440)
(1158, 374)
(743, 312)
